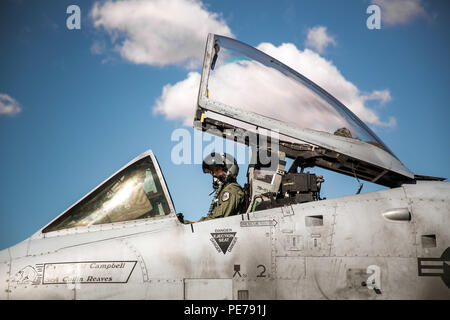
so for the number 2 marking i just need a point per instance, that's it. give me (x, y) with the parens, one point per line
(261, 275)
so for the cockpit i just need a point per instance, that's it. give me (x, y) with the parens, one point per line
(246, 95)
(313, 127)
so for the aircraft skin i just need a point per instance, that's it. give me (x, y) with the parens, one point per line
(317, 250)
(389, 244)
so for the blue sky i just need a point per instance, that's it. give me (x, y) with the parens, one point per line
(75, 106)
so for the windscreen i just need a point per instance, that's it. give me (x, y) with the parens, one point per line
(246, 78)
(134, 193)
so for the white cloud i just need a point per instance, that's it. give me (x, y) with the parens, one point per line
(179, 101)
(249, 85)
(400, 11)
(159, 32)
(382, 95)
(9, 106)
(319, 39)
(98, 47)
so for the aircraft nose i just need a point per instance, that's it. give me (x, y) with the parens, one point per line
(4, 274)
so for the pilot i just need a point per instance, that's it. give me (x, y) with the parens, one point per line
(229, 196)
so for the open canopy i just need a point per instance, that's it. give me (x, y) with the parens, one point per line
(300, 112)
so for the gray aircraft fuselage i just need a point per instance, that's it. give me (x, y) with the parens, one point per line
(330, 249)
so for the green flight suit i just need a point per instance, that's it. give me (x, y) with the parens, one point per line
(228, 202)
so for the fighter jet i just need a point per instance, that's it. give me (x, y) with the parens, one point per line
(124, 239)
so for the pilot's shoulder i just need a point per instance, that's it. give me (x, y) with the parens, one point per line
(233, 187)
